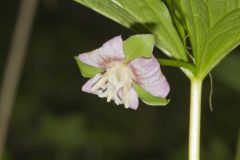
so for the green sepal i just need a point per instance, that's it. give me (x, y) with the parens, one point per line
(86, 70)
(140, 45)
(148, 98)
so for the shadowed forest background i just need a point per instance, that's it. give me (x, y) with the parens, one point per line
(53, 119)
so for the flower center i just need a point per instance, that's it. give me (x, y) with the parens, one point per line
(115, 84)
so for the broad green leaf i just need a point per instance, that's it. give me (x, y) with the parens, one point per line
(213, 27)
(143, 16)
(197, 24)
(220, 8)
(86, 70)
(148, 98)
(224, 36)
(138, 46)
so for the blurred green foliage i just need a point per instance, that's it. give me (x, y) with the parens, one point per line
(228, 72)
(53, 120)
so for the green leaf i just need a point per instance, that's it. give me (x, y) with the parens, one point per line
(138, 46)
(219, 9)
(148, 98)
(223, 38)
(143, 16)
(197, 24)
(86, 70)
(213, 27)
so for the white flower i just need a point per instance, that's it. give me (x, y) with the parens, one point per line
(117, 79)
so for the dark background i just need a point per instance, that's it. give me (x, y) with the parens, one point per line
(53, 120)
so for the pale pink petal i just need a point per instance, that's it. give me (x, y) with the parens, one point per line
(103, 57)
(149, 76)
(88, 85)
(134, 102)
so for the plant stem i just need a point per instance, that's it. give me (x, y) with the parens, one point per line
(195, 119)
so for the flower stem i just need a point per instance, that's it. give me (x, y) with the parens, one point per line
(195, 119)
(176, 63)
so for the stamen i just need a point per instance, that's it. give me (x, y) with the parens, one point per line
(102, 94)
(104, 87)
(115, 81)
(117, 102)
(117, 99)
(100, 83)
(110, 95)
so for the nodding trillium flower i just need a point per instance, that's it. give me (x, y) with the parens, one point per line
(123, 71)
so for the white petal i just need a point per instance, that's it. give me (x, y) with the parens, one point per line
(149, 76)
(103, 57)
(87, 87)
(133, 98)
(134, 102)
